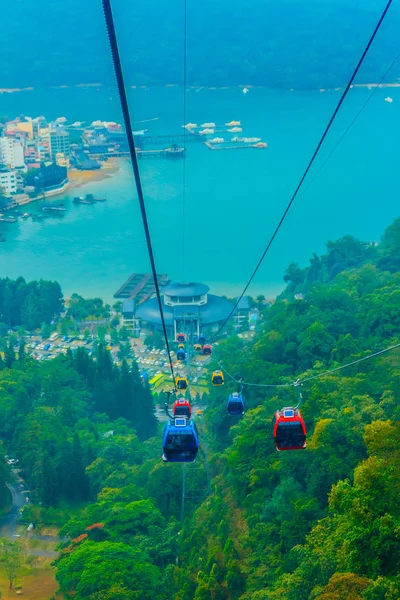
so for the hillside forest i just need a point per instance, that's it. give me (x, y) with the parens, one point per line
(318, 524)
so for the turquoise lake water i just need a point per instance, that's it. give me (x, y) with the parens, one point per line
(216, 232)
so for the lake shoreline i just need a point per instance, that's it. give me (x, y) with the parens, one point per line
(198, 88)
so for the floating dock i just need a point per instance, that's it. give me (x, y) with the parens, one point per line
(217, 130)
(140, 287)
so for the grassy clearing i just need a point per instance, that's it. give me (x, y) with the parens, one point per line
(37, 584)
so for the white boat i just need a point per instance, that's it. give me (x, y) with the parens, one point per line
(208, 125)
(246, 140)
(190, 126)
(235, 130)
(232, 124)
(389, 99)
(245, 90)
(206, 131)
(217, 140)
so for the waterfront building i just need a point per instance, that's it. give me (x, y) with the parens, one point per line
(241, 318)
(48, 178)
(59, 142)
(25, 124)
(12, 152)
(61, 160)
(128, 316)
(41, 127)
(30, 153)
(43, 152)
(187, 307)
(8, 181)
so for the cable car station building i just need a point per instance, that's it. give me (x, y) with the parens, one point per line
(187, 307)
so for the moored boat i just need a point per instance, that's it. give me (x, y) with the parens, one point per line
(56, 208)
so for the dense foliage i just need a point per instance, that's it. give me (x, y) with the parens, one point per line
(66, 414)
(29, 304)
(320, 524)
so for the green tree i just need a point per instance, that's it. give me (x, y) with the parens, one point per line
(21, 351)
(9, 355)
(11, 558)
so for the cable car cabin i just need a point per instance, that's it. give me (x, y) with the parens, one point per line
(235, 404)
(207, 350)
(197, 347)
(181, 337)
(289, 429)
(180, 441)
(202, 339)
(182, 408)
(181, 355)
(218, 378)
(181, 383)
(144, 376)
(181, 346)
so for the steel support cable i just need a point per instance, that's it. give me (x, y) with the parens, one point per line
(312, 377)
(377, 86)
(132, 151)
(184, 134)
(310, 163)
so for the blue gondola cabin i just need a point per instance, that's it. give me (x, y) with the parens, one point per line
(235, 404)
(181, 355)
(180, 441)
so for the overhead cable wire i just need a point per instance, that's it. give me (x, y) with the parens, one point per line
(300, 381)
(310, 163)
(376, 87)
(134, 162)
(184, 133)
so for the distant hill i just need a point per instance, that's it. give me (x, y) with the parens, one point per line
(284, 44)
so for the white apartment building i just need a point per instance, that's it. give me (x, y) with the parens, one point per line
(8, 181)
(12, 152)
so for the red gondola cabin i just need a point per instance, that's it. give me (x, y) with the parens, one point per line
(182, 408)
(181, 337)
(207, 350)
(289, 429)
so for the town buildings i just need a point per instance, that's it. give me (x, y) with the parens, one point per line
(28, 144)
(8, 181)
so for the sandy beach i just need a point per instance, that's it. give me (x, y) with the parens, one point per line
(78, 178)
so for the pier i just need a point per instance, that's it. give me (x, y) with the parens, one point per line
(140, 287)
(168, 145)
(235, 146)
(140, 153)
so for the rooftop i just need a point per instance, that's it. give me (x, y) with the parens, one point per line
(216, 310)
(185, 289)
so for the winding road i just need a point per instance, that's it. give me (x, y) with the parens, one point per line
(9, 521)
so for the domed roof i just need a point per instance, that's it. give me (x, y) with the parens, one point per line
(216, 310)
(185, 289)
